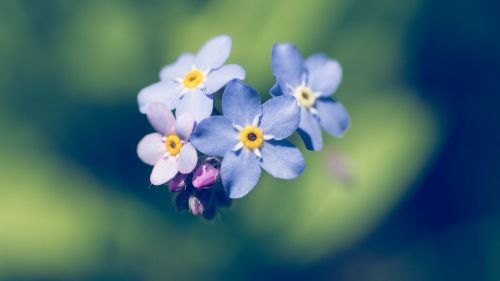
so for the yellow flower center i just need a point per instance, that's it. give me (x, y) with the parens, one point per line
(193, 78)
(173, 144)
(305, 96)
(251, 137)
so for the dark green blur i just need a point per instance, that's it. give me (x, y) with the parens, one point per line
(75, 201)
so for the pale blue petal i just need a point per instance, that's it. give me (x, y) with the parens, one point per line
(288, 66)
(196, 102)
(161, 118)
(325, 79)
(214, 53)
(276, 90)
(218, 78)
(282, 159)
(241, 103)
(280, 117)
(310, 131)
(333, 116)
(179, 68)
(187, 159)
(240, 172)
(184, 125)
(315, 61)
(166, 92)
(215, 136)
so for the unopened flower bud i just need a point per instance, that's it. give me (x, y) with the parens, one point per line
(177, 183)
(196, 205)
(207, 173)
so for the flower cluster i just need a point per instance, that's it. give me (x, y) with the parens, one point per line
(208, 157)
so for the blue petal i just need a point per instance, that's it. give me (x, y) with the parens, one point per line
(165, 92)
(196, 102)
(280, 117)
(282, 159)
(241, 103)
(178, 69)
(288, 66)
(325, 77)
(240, 172)
(218, 78)
(310, 131)
(333, 116)
(214, 53)
(315, 61)
(215, 136)
(276, 90)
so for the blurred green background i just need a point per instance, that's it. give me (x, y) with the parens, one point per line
(407, 194)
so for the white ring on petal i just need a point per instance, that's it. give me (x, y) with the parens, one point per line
(238, 146)
(257, 152)
(255, 121)
(237, 127)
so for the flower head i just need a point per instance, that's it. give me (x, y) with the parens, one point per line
(188, 84)
(251, 136)
(311, 82)
(169, 149)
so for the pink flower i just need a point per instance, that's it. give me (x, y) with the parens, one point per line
(168, 150)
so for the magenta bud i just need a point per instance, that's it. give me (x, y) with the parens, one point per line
(196, 206)
(177, 183)
(207, 173)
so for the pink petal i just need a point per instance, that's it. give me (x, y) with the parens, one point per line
(164, 170)
(187, 158)
(151, 148)
(161, 118)
(184, 125)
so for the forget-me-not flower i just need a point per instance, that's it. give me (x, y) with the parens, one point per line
(188, 84)
(311, 82)
(251, 136)
(168, 150)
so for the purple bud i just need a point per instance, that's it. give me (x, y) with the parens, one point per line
(177, 183)
(196, 206)
(207, 173)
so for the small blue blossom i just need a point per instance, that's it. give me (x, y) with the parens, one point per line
(311, 82)
(251, 136)
(188, 84)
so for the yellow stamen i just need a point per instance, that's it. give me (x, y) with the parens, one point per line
(251, 137)
(173, 144)
(305, 96)
(193, 79)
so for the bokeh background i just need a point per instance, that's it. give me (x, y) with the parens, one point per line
(410, 193)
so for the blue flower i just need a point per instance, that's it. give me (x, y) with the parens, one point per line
(311, 82)
(250, 136)
(188, 84)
